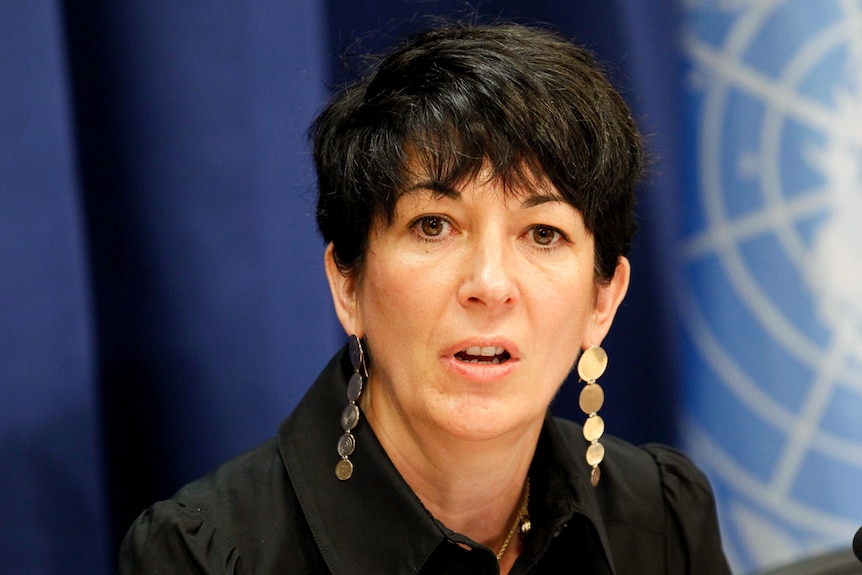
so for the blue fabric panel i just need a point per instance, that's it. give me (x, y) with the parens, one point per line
(52, 485)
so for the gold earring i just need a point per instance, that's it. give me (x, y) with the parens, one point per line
(591, 366)
(350, 414)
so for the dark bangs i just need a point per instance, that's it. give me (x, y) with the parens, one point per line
(521, 102)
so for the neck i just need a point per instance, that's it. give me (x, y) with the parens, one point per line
(473, 487)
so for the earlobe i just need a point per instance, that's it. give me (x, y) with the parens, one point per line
(343, 290)
(608, 300)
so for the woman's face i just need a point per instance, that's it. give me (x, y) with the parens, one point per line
(475, 305)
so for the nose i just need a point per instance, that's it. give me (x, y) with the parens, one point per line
(489, 277)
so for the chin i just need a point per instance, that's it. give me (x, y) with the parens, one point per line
(473, 422)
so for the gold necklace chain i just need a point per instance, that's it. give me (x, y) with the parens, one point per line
(522, 521)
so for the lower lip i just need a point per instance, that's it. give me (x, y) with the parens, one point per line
(481, 372)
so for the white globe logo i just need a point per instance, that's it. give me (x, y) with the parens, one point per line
(770, 284)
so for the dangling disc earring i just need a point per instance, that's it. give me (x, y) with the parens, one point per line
(350, 414)
(591, 366)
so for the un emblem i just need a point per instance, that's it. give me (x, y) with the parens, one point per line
(769, 271)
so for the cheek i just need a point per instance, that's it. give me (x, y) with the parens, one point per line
(567, 293)
(567, 307)
(391, 281)
(394, 298)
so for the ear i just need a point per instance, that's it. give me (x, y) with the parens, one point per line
(343, 289)
(608, 300)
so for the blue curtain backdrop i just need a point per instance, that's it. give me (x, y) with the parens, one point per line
(162, 299)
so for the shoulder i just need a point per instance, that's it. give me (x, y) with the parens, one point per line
(655, 474)
(245, 482)
(654, 501)
(631, 486)
(239, 518)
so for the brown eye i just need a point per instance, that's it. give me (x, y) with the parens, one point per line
(431, 225)
(543, 235)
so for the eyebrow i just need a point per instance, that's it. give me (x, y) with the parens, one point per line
(536, 199)
(530, 200)
(436, 189)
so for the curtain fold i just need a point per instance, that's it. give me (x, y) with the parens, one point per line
(52, 484)
(191, 128)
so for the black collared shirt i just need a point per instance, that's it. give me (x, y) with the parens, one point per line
(279, 509)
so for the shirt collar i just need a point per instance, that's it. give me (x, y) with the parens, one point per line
(565, 483)
(373, 522)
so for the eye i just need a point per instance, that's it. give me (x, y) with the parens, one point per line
(545, 236)
(431, 226)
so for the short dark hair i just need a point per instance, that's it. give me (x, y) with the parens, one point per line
(450, 101)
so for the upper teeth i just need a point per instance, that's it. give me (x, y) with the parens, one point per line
(485, 351)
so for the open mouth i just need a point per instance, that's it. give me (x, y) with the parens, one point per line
(486, 354)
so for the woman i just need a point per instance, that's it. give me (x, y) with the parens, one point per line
(476, 195)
